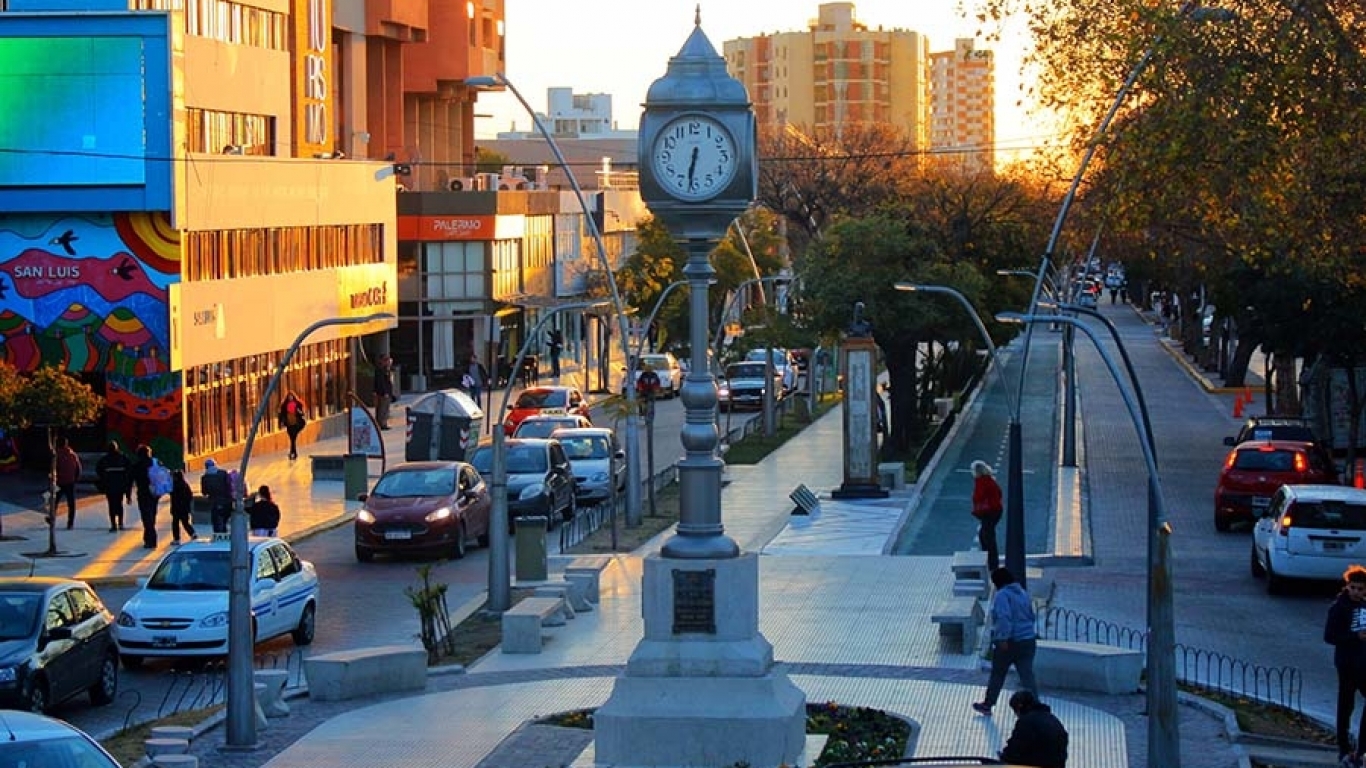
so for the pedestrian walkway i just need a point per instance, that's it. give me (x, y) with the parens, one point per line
(847, 623)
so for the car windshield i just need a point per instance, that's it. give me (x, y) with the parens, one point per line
(745, 371)
(526, 460)
(1329, 514)
(585, 447)
(18, 614)
(542, 427)
(1265, 461)
(416, 482)
(60, 752)
(198, 570)
(657, 362)
(541, 398)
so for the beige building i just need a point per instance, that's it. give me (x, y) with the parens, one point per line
(963, 87)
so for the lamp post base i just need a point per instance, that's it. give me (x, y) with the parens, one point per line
(855, 490)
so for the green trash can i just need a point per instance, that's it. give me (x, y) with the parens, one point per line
(529, 543)
(355, 475)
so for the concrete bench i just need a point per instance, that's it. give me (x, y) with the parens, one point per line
(960, 617)
(366, 671)
(272, 696)
(975, 588)
(574, 592)
(970, 564)
(1087, 666)
(173, 761)
(162, 746)
(522, 623)
(588, 568)
(892, 475)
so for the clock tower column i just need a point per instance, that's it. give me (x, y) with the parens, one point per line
(700, 688)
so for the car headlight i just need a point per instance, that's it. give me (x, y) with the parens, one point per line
(532, 491)
(440, 514)
(723, 392)
(8, 675)
(598, 477)
(126, 619)
(365, 515)
(219, 619)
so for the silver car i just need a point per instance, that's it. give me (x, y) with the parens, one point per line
(598, 462)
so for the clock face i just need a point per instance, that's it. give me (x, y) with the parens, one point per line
(694, 157)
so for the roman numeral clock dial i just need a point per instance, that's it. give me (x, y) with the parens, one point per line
(694, 158)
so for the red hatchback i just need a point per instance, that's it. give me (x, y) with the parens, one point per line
(434, 507)
(550, 401)
(1254, 471)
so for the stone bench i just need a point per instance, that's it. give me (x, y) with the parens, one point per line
(960, 617)
(173, 761)
(574, 592)
(892, 475)
(272, 696)
(522, 623)
(1087, 666)
(588, 568)
(366, 671)
(970, 565)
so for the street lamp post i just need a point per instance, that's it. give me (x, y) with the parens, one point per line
(500, 582)
(632, 415)
(1164, 749)
(241, 711)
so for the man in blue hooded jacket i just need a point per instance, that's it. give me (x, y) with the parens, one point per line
(1013, 639)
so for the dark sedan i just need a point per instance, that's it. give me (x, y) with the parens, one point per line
(56, 641)
(540, 478)
(424, 507)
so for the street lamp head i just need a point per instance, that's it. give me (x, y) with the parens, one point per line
(907, 286)
(1013, 318)
(487, 81)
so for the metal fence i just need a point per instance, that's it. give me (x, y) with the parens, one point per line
(1199, 668)
(199, 687)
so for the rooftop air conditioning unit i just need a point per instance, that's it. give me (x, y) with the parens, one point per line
(461, 184)
(486, 182)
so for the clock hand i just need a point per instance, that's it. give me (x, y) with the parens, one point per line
(692, 166)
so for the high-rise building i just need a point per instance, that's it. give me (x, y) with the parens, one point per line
(835, 72)
(963, 87)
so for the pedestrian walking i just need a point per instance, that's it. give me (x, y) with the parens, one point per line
(292, 418)
(113, 475)
(1013, 639)
(1345, 630)
(1039, 738)
(986, 507)
(265, 514)
(68, 471)
(554, 344)
(144, 468)
(215, 484)
(182, 505)
(384, 390)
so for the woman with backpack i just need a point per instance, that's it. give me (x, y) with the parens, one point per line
(152, 481)
(293, 416)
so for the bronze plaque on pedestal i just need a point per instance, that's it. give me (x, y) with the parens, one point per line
(695, 602)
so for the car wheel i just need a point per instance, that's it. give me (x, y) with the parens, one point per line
(572, 509)
(483, 539)
(1257, 570)
(308, 625)
(130, 662)
(458, 548)
(36, 696)
(1221, 524)
(1275, 585)
(106, 687)
(364, 555)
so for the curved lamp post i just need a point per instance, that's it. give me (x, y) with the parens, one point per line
(632, 416)
(500, 584)
(241, 711)
(1164, 749)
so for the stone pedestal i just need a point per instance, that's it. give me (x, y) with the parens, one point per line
(861, 479)
(700, 688)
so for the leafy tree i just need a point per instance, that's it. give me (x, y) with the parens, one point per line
(489, 160)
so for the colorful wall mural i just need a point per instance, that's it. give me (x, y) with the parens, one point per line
(88, 293)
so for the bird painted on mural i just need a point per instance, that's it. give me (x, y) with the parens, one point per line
(125, 269)
(68, 237)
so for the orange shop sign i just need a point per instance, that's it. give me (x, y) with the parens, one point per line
(446, 227)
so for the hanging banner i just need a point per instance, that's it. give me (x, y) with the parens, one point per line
(364, 437)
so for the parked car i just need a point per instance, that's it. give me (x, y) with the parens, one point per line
(1283, 428)
(784, 367)
(545, 400)
(181, 610)
(541, 425)
(56, 642)
(540, 478)
(37, 741)
(667, 368)
(1309, 532)
(599, 463)
(743, 386)
(425, 506)
(1254, 470)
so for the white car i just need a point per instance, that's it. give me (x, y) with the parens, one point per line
(1309, 532)
(667, 368)
(182, 608)
(784, 367)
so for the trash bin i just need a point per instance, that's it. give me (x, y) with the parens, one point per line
(529, 538)
(442, 426)
(355, 475)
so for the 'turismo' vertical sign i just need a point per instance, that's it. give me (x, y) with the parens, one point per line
(312, 71)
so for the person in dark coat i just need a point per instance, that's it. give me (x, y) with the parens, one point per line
(293, 417)
(1039, 738)
(384, 390)
(68, 466)
(1345, 630)
(147, 499)
(182, 504)
(265, 514)
(116, 482)
(215, 484)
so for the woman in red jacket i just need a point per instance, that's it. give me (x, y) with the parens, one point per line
(986, 507)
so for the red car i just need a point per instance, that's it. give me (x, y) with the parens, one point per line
(545, 400)
(434, 507)
(1254, 471)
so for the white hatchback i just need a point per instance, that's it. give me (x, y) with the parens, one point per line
(182, 608)
(1309, 532)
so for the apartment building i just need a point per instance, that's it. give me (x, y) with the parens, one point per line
(963, 88)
